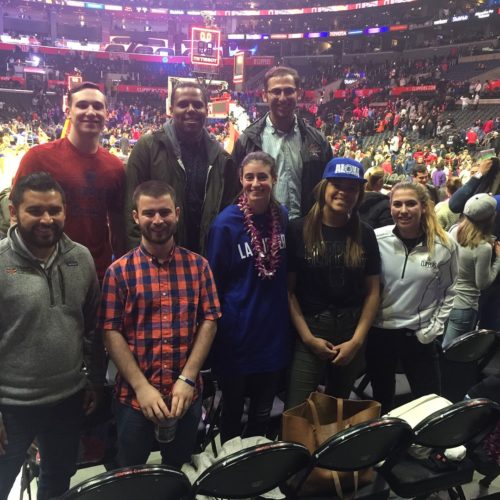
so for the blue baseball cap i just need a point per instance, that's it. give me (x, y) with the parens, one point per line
(344, 168)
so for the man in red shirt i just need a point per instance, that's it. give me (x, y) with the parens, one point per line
(159, 310)
(92, 178)
(471, 138)
(488, 126)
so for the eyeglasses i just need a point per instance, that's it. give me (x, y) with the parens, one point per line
(288, 91)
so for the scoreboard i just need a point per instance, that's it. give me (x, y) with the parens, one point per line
(205, 46)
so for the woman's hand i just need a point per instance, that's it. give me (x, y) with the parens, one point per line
(321, 348)
(345, 352)
(485, 166)
(496, 248)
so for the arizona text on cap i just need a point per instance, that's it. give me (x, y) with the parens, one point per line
(344, 168)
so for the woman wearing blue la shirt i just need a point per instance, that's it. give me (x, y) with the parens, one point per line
(247, 254)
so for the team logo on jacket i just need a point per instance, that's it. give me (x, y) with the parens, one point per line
(428, 264)
(19, 270)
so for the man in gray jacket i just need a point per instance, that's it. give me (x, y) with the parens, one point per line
(184, 155)
(49, 295)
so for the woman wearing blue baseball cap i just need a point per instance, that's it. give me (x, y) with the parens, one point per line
(333, 282)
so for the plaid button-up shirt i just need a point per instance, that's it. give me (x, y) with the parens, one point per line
(157, 308)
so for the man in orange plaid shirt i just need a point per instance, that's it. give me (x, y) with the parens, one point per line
(158, 311)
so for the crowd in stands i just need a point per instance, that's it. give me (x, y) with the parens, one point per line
(355, 116)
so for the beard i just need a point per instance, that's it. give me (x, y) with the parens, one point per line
(158, 237)
(33, 239)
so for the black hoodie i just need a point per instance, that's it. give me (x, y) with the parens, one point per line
(375, 210)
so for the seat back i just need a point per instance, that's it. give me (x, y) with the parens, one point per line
(470, 346)
(252, 471)
(154, 482)
(457, 424)
(364, 445)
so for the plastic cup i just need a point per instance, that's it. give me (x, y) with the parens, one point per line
(165, 431)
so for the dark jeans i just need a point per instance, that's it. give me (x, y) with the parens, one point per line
(308, 371)
(261, 389)
(56, 428)
(420, 363)
(136, 437)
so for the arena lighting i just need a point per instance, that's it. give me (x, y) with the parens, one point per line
(319, 34)
(373, 31)
(91, 5)
(237, 13)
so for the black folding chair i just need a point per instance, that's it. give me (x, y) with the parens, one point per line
(359, 447)
(461, 362)
(252, 471)
(151, 482)
(452, 426)
(470, 346)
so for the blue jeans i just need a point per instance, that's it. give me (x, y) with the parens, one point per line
(136, 437)
(56, 428)
(460, 321)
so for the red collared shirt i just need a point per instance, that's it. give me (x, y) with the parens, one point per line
(157, 308)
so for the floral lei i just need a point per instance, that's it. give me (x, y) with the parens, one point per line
(265, 263)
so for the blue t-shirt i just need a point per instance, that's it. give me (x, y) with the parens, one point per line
(253, 335)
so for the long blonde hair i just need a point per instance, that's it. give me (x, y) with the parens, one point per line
(313, 235)
(429, 222)
(472, 234)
